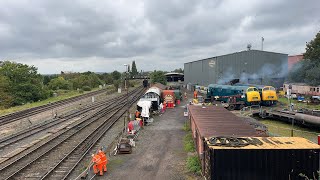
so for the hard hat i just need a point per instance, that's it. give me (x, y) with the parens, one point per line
(92, 155)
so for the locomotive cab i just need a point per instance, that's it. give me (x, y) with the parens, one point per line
(253, 95)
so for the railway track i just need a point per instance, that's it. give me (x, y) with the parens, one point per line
(14, 138)
(55, 158)
(6, 119)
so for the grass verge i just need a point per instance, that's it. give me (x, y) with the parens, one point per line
(186, 127)
(188, 143)
(193, 164)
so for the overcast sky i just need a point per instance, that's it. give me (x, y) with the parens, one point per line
(102, 35)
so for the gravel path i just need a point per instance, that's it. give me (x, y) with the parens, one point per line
(158, 153)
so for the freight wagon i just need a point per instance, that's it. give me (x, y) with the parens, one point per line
(262, 158)
(217, 121)
(231, 148)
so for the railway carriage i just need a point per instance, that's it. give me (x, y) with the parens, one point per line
(153, 94)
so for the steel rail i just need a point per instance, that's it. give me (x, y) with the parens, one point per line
(6, 141)
(6, 119)
(84, 123)
(92, 138)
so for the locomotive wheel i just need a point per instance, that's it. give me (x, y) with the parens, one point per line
(231, 107)
(241, 106)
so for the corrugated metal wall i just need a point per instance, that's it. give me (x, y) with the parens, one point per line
(253, 63)
(262, 164)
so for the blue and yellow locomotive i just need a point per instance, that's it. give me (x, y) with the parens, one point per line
(268, 94)
(249, 95)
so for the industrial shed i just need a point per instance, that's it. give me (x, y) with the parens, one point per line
(252, 66)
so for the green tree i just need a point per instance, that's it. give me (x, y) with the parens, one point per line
(86, 79)
(313, 49)
(6, 99)
(116, 75)
(158, 77)
(48, 78)
(107, 78)
(25, 84)
(59, 83)
(134, 71)
(178, 70)
(308, 70)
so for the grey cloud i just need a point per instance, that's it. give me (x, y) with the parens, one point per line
(281, 14)
(159, 34)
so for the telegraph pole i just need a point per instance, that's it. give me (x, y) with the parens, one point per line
(290, 107)
(126, 88)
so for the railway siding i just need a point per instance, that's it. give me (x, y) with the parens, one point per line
(69, 131)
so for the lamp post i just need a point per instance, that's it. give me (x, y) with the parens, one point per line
(290, 107)
(126, 88)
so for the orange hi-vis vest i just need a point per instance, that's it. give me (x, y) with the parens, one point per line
(96, 159)
(103, 157)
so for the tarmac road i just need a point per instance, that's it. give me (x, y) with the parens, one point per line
(158, 153)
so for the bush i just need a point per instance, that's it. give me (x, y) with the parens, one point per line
(188, 143)
(117, 84)
(186, 127)
(193, 164)
(86, 88)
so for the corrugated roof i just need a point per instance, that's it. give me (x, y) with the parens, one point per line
(277, 143)
(217, 121)
(154, 90)
(240, 52)
(173, 73)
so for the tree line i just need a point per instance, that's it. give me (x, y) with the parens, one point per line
(21, 83)
(308, 70)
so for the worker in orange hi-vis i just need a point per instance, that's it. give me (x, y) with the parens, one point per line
(97, 164)
(195, 94)
(104, 160)
(138, 114)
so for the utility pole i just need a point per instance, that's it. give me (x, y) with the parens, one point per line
(262, 39)
(126, 88)
(290, 107)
